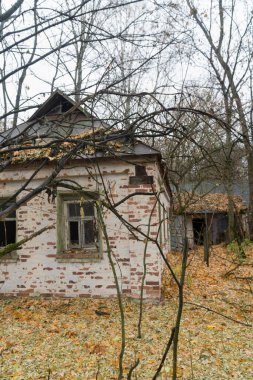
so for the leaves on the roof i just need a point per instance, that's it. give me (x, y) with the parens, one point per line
(188, 203)
(59, 149)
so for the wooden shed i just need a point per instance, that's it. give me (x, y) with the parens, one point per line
(200, 214)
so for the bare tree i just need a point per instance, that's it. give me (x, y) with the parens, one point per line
(68, 35)
(229, 55)
(38, 33)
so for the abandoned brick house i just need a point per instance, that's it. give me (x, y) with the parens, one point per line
(205, 212)
(69, 258)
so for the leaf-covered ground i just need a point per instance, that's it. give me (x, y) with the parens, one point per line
(66, 339)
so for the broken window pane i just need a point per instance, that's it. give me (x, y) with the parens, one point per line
(74, 232)
(7, 232)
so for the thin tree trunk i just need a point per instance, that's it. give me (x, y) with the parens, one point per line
(250, 179)
(180, 309)
(120, 303)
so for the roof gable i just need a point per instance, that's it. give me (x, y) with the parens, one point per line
(57, 104)
(60, 120)
(58, 117)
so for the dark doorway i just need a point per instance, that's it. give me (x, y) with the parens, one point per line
(198, 230)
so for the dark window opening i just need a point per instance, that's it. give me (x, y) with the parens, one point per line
(56, 110)
(141, 177)
(7, 225)
(140, 171)
(60, 108)
(7, 232)
(66, 106)
(74, 233)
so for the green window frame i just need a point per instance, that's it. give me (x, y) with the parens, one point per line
(78, 233)
(81, 224)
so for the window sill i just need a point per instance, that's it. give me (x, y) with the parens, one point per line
(79, 256)
(92, 259)
(8, 260)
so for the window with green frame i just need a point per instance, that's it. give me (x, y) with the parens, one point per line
(78, 232)
(81, 224)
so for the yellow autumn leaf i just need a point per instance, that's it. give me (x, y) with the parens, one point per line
(168, 371)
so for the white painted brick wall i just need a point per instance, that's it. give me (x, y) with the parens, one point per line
(37, 270)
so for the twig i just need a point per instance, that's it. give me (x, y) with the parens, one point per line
(242, 290)
(13, 246)
(227, 274)
(218, 313)
(132, 368)
(165, 354)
